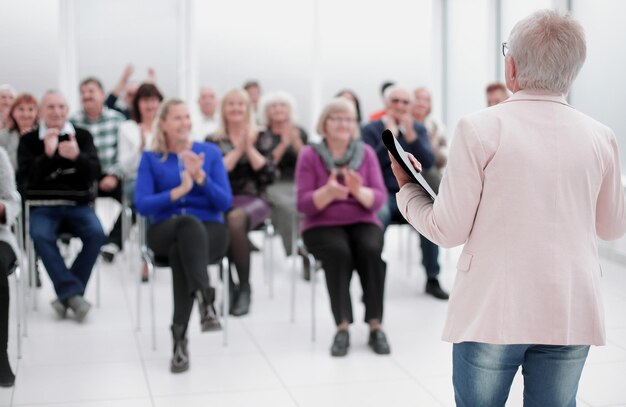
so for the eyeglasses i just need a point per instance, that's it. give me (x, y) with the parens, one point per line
(345, 120)
(403, 101)
(505, 48)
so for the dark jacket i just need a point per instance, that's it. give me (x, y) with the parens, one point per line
(371, 134)
(43, 177)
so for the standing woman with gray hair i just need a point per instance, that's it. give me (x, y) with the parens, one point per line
(531, 185)
(284, 141)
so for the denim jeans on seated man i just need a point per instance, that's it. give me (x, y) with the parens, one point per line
(430, 251)
(46, 223)
(482, 373)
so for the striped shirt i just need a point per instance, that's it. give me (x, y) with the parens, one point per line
(104, 131)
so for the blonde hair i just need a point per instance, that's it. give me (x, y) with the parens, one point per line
(221, 132)
(159, 142)
(549, 49)
(273, 98)
(337, 105)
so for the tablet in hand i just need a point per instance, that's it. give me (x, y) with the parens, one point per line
(401, 157)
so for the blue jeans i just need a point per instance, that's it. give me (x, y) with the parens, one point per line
(46, 223)
(430, 251)
(482, 373)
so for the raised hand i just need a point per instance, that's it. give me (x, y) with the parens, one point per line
(193, 162)
(186, 182)
(334, 188)
(51, 141)
(353, 181)
(69, 149)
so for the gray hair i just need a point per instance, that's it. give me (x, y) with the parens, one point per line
(273, 98)
(394, 88)
(549, 49)
(8, 88)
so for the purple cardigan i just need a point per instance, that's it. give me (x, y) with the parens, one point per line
(311, 174)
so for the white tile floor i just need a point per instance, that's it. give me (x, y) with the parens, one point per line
(269, 360)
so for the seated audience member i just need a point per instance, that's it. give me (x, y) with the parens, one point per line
(380, 113)
(340, 189)
(103, 124)
(496, 93)
(22, 118)
(286, 140)
(7, 95)
(207, 121)
(136, 135)
(9, 210)
(246, 157)
(253, 89)
(414, 138)
(420, 111)
(128, 89)
(60, 162)
(351, 96)
(183, 187)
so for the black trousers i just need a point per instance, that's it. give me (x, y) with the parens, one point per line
(341, 249)
(189, 245)
(7, 260)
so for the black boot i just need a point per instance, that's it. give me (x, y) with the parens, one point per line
(433, 288)
(7, 378)
(180, 355)
(242, 304)
(208, 316)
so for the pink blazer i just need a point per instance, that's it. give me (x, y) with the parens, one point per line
(530, 186)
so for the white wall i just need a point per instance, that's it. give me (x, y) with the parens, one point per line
(393, 41)
(269, 41)
(470, 57)
(313, 48)
(29, 47)
(113, 33)
(600, 89)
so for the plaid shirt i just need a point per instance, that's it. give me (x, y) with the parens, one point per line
(104, 132)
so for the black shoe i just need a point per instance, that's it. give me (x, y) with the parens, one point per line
(433, 288)
(180, 355)
(108, 252)
(341, 343)
(208, 316)
(7, 378)
(378, 342)
(242, 303)
(253, 247)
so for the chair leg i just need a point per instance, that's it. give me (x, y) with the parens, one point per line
(18, 308)
(313, 284)
(138, 283)
(225, 271)
(152, 305)
(270, 237)
(98, 283)
(32, 268)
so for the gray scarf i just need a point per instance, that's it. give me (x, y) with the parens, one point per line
(352, 158)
